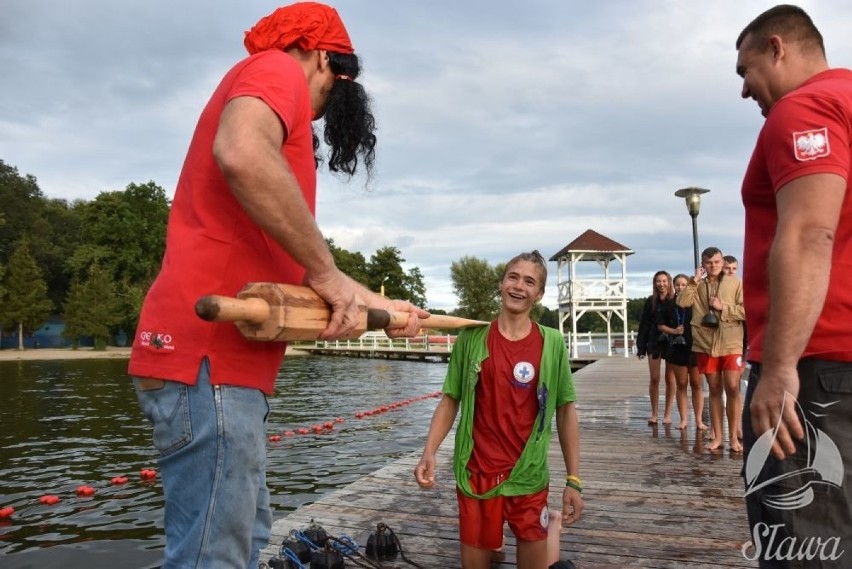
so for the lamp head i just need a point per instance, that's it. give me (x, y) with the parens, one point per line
(693, 199)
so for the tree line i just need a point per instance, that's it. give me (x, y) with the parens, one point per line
(91, 262)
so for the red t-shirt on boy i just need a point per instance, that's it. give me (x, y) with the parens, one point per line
(506, 401)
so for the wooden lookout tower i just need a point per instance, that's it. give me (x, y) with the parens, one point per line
(584, 291)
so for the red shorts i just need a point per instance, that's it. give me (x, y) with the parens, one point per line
(481, 521)
(710, 364)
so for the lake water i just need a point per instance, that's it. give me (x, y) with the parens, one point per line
(73, 423)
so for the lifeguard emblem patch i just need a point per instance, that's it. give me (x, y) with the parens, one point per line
(811, 144)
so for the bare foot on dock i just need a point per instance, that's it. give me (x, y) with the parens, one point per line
(736, 446)
(682, 426)
(667, 420)
(701, 427)
(715, 444)
(652, 420)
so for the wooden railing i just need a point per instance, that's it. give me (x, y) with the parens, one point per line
(597, 343)
(380, 341)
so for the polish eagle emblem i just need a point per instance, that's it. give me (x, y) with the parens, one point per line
(811, 144)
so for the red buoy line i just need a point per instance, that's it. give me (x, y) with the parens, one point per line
(83, 491)
(328, 426)
(395, 405)
(149, 475)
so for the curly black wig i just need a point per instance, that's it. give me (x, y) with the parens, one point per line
(349, 122)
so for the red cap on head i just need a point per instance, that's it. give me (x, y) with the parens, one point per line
(306, 25)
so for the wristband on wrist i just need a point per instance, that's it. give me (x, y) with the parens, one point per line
(574, 482)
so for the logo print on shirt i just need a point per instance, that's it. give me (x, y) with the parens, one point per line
(811, 144)
(524, 372)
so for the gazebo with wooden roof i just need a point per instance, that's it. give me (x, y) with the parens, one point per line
(604, 295)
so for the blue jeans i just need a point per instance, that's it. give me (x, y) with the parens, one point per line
(212, 444)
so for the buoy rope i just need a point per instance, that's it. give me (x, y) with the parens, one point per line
(355, 556)
(326, 427)
(292, 557)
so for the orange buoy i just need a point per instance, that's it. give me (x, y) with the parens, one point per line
(49, 499)
(317, 428)
(147, 474)
(85, 491)
(117, 480)
(289, 433)
(7, 512)
(329, 425)
(303, 431)
(274, 438)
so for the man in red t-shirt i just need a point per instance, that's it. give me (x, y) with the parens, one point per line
(243, 212)
(797, 421)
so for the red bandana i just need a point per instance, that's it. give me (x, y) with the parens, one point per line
(306, 25)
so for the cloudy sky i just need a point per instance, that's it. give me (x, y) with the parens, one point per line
(504, 126)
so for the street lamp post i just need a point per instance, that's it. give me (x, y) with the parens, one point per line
(693, 204)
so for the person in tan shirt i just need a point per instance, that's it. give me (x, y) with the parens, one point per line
(716, 300)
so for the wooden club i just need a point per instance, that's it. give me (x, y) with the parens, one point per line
(289, 313)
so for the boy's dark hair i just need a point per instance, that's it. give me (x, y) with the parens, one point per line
(710, 252)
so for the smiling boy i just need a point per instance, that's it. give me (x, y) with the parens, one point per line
(509, 379)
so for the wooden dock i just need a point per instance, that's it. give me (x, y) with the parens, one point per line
(654, 497)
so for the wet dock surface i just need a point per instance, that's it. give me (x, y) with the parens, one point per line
(654, 496)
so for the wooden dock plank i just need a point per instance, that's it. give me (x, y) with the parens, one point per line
(654, 496)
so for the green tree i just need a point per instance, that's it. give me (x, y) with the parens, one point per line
(415, 287)
(124, 233)
(477, 286)
(352, 264)
(2, 270)
(27, 304)
(634, 313)
(92, 309)
(130, 297)
(20, 206)
(53, 240)
(385, 272)
(549, 318)
(46, 224)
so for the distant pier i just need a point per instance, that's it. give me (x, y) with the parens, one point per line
(427, 348)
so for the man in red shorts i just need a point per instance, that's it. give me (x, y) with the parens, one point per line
(508, 378)
(797, 270)
(717, 338)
